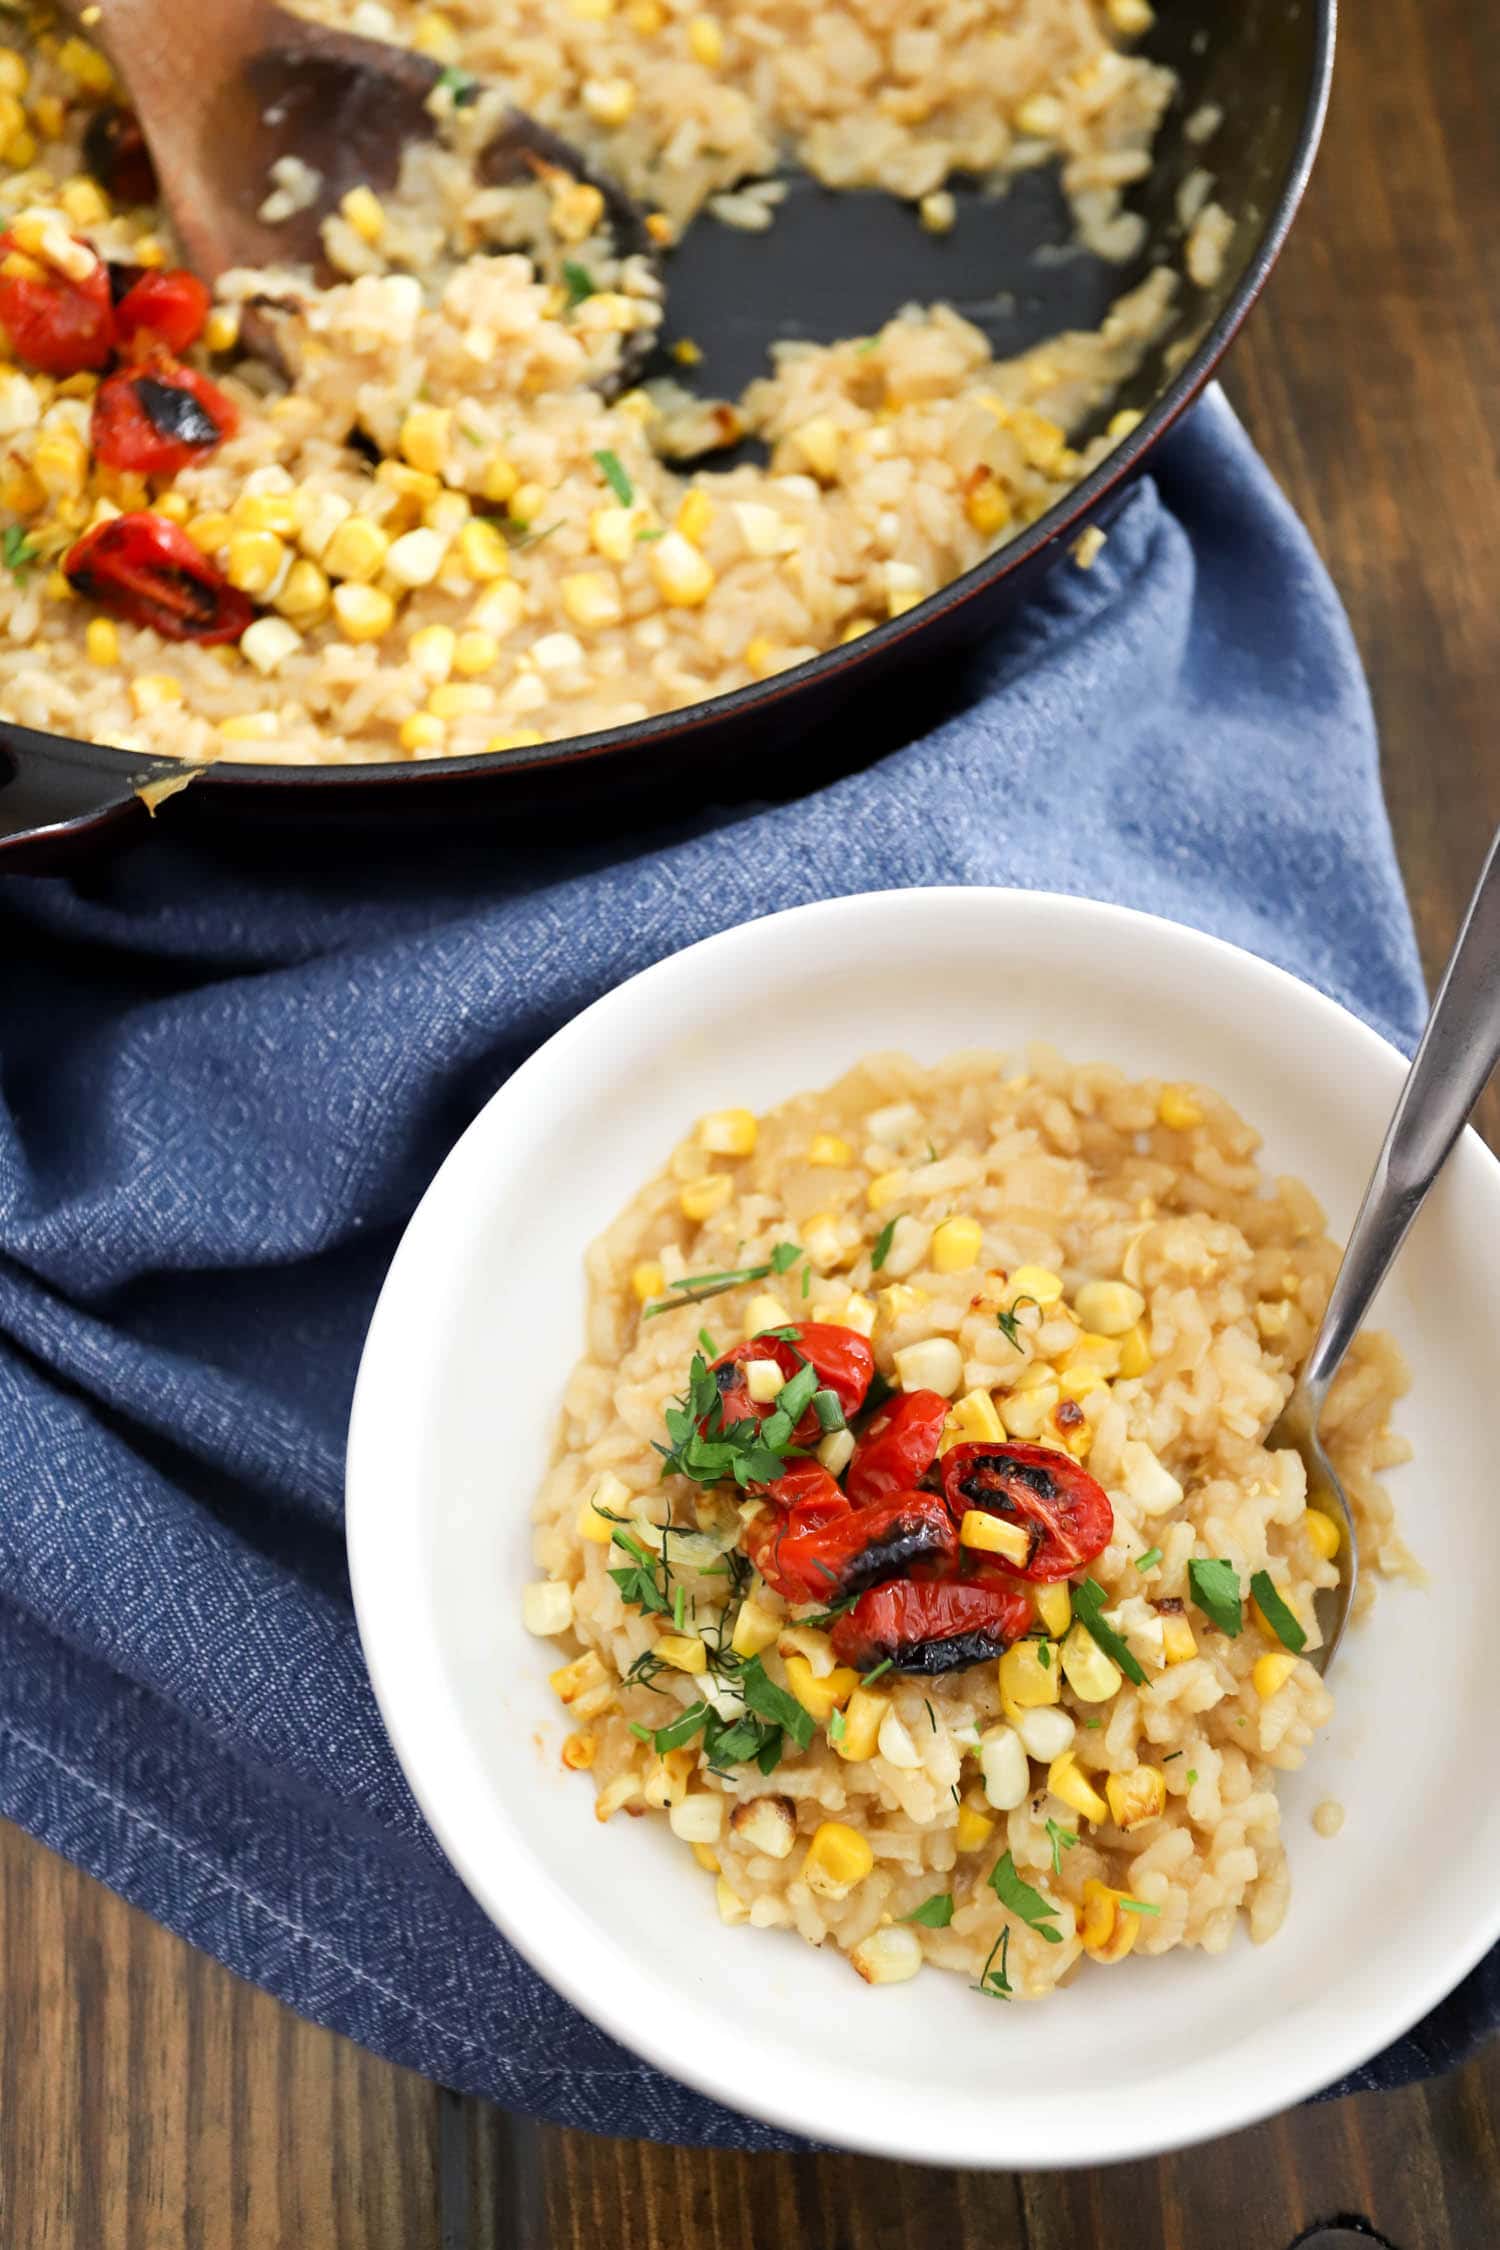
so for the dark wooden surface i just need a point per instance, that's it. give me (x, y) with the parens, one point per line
(148, 2101)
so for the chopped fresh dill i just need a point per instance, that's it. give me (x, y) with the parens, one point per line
(1006, 1321)
(994, 1983)
(1062, 1840)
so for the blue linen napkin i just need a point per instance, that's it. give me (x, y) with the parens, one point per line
(223, 1087)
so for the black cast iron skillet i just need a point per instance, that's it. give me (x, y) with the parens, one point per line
(831, 266)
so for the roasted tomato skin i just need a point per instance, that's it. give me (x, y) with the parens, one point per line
(143, 568)
(159, 417)
(843, 1553)
(58, 326)
(1063, 1511)
(807, 1484)
(171, 306)
(767, 1533)
(841, 1359)
(899, 1446)
(930, 1627)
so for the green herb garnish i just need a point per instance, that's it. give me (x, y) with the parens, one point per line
(1171, 1754)
(461, 84)
(645, 1584)
(1044, 1654)
(1062, 1840)
(931, 1716)
(879, 1671)
(1006, 1321)
(825, 1404)
(642, 1734)
(1088, 1606)
(706, 1341)
(710, 1451)
(796, 1395)
(17, 552)
(1192, 1777)
(1216, 1590)
(1276, 1613)
(807, 1281)
(1138, 1906)
(934, 1913)
(883, 1240)
(1149, 1560)
(838, 1727)
(1014, 1892)
(823, 1618)
(994, 1983)
(612, 469)
(578, 282)
(773, 1703)
(677, 1732)
(695, 1286)
(785, 1256)
(679, 1608)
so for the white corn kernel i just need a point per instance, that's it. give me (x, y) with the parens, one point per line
(763, 1379)
(761, 1313)
(268, 643)
(936, 1364)
(1002, 1761)
(547, 1607)
(837, 1451)
(896, 1744)
(1045, 1732)
(890, 1955)
(699, 1819)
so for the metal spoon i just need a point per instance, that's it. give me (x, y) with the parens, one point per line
(1460, 1047)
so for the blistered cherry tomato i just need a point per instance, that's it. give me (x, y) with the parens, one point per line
(172, 306)
(159, 418)
(841, 1360)
(1066, 1516)
(930, 1627)
(145, 569)
(806, 1484)
(60, 326)
(899, 1446)
(845, 1553)
(766, 1532)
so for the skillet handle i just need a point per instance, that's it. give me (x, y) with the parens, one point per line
(60, 799)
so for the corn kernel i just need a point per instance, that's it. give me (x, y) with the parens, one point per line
(695, 516)
(82, 198)
(1093, 1676)
(1135, 1353)
(1026, 1683)
(432, 651)
(955, 1245)
(482, 550)
(609, 101)
(972, 1829)
(303, 593)
(254, 561)
(732, 1908)
(754, 1629)
(102, 643)
(591, 599)
(820, 443)
(424, 437)
(763, 1312)
(1066, 1779)
(500, 481)
(363, 613)
(415, 558)
(645, 17)
(519, 738)
(15, 71)
(421, 732)
(822, 1241)
(609, 1493)
(154, 691)
(365, 213)
(222, 331)
(526, 503)
(987, 504)
(580, 1750)
(1177, 1642)
(827, 1148)
(1054, 1607)
(705, 41)
(1108, 1308)
(356, 550)
(973, 1421)
(1136, 1797)
(884, 1189)
(700, 1199)
(706, 1858)
(858, 1314)
(1124, 424)
(1108, 1930)
(1271, 1672)
(992, 1535)
(820, 1697)
(859, 1736)
(459, 699)
(1038, 1283)
(647, 1280)
(268, 642)
(577, 209)
(683, 579)
(1131, 17)
(86, 66)
(435, 34)
(49, 116)
(150, 250)
(683, 1651)
(763, 1380)
(60, 463)
(837, 1858)
(728, 1132)
(1177, 1109)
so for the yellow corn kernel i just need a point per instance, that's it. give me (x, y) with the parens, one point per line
(706, 1857)
(819, 1697)
(250, 726)
(357, 550)
(60, 463)
(580, 1750)
(987, 504)
(858, 1314)
(683, 579)
(49, 116)
(754, 1629)
(695, 516)
(86, 66)
(1135, 1353)
(822, 1241)
(820, 443)
(955, 1245)
(1108, 1929)
(1137, 1797)
(1124, 424)
(432, 651)
(436, 35)
(19, 490)
(646, 17)
(1271, 1672)
(900, 1297)
(992, 1535)
(254, 561)
(1131, 17)
(763, 1312)
(884, 1189)
(459, 699)
(580, 1677)
(1177, 1109)
(526, 503)
(500, 481)
(363, 613)
(424, 437)
(972, 1829)
(1108, 1308)
(1053, 1606)
(1177, 1642)
(732, 1908)
(1264, 1622)
(58, 587)
(1038, 1283)
(154, 691)
(683, 1651)
(609, 1493)
(1066, 1779)
(365, 213)
(762, 657)
(222, 331)
(827, 1148)
(837, 1858)
(422, 732)
(15, 71)
(266, 511)
(591, 599)
(728, 1132)
(577, 208)
(972, 1421)
(482, 550)
(210, 532)
(700, 1199)
(82, 198)
(609, 101)
(101, 641)
(705, 40)
(1323, 1532)
(475, 653)
(519, 738)
(647, 1280)
(859, 1737)
(1026, 1683)
(1093, 1676)
(1042, 441)
(612, 531)
(303, 594)
(149, 250)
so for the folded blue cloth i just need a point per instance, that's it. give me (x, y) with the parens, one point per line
(222, 1089)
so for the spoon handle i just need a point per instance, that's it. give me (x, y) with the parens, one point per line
(1460, 1047)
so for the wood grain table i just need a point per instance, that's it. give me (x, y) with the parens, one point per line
(149, 2101)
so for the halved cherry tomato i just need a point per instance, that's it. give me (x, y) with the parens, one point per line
(159, 418)
(60, 326)
(144, 568)
(841, 1359)
(806, 1484)
(171, 306)
(1064, 1513)
(846, 1552)
(899, 1446)
(928, 1627)
(764, 1534)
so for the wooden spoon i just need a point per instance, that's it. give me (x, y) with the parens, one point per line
(224, 88)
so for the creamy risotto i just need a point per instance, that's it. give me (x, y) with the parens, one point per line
(911, 1547)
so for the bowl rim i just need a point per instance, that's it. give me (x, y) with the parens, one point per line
(434, 1765)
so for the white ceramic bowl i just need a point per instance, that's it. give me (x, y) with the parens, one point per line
(479, 1322)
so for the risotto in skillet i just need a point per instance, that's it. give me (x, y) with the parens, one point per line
(911, 1548)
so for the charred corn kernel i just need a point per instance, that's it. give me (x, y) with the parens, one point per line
(1132, 17)
(706, 1858)
(683, 1651)
(1054, 1607)
(526, 503)
(1177, 1642)
(955, 1245)
(683, 579)
(992, 1535)
(1108, 1308)
(1323, 1532)
(864, 1714)
(60, 463)
(482, 550)
(763, 1380)
(432, 651)
(609, 101)
(363, 613)
(577, 209)
(1093, 1676)
(421, 732)
(936, 1364)
(222, 330)
(695, 516)
(580, 1750)
(593, 1523)
(820, 443)
(972, 1829)
(728, 1132)
(415, 558)
(732, 1908)
(268, 643)
(827, 1148)
(705, 40)
(987, 504)
(49, 116)
(459, 699)
(519, 738)
(585, 1673)
(356, 551)
(1026, 1683)
(1066, 1779)
(303, 593)
(884, 1189)
(475, 653)
(761, 1313)
(754, 1629)
(15, 71)
(1177, 1109)
(1039, 1283)
(1271, 1672)
(500, 481)
(1135, 1352)
(102, 643)
(891, 1954)
(85, 66)
(424, 437)
(1137, 1797)
(84, 201)
(837, 1858)
(154, 691)
(666, 1780)
(254, 561)
(365, 213)
(1108, 1929)
(699, 1199)
(436, 35)
(820, 1697)
(647, 1280)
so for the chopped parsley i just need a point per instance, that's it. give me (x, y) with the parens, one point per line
(1216, 1590)
(677, 1732)
(1276, 1613)
(645, 1583)
(838, 1727)
(871, 1677)
(883, 1240)
(785, 1256)
(1088, 1606)
(1192, 1777)
(612, 469)
(578, 282)
(1006, 1321)
(934, 1913)
(1028, 1905)
(994, 1983)
(1062, 1840)
(1044, 1655)
(709, 1451)
(17, 552)
(774, 1704)
(807, 1281)
(1149, 1560)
